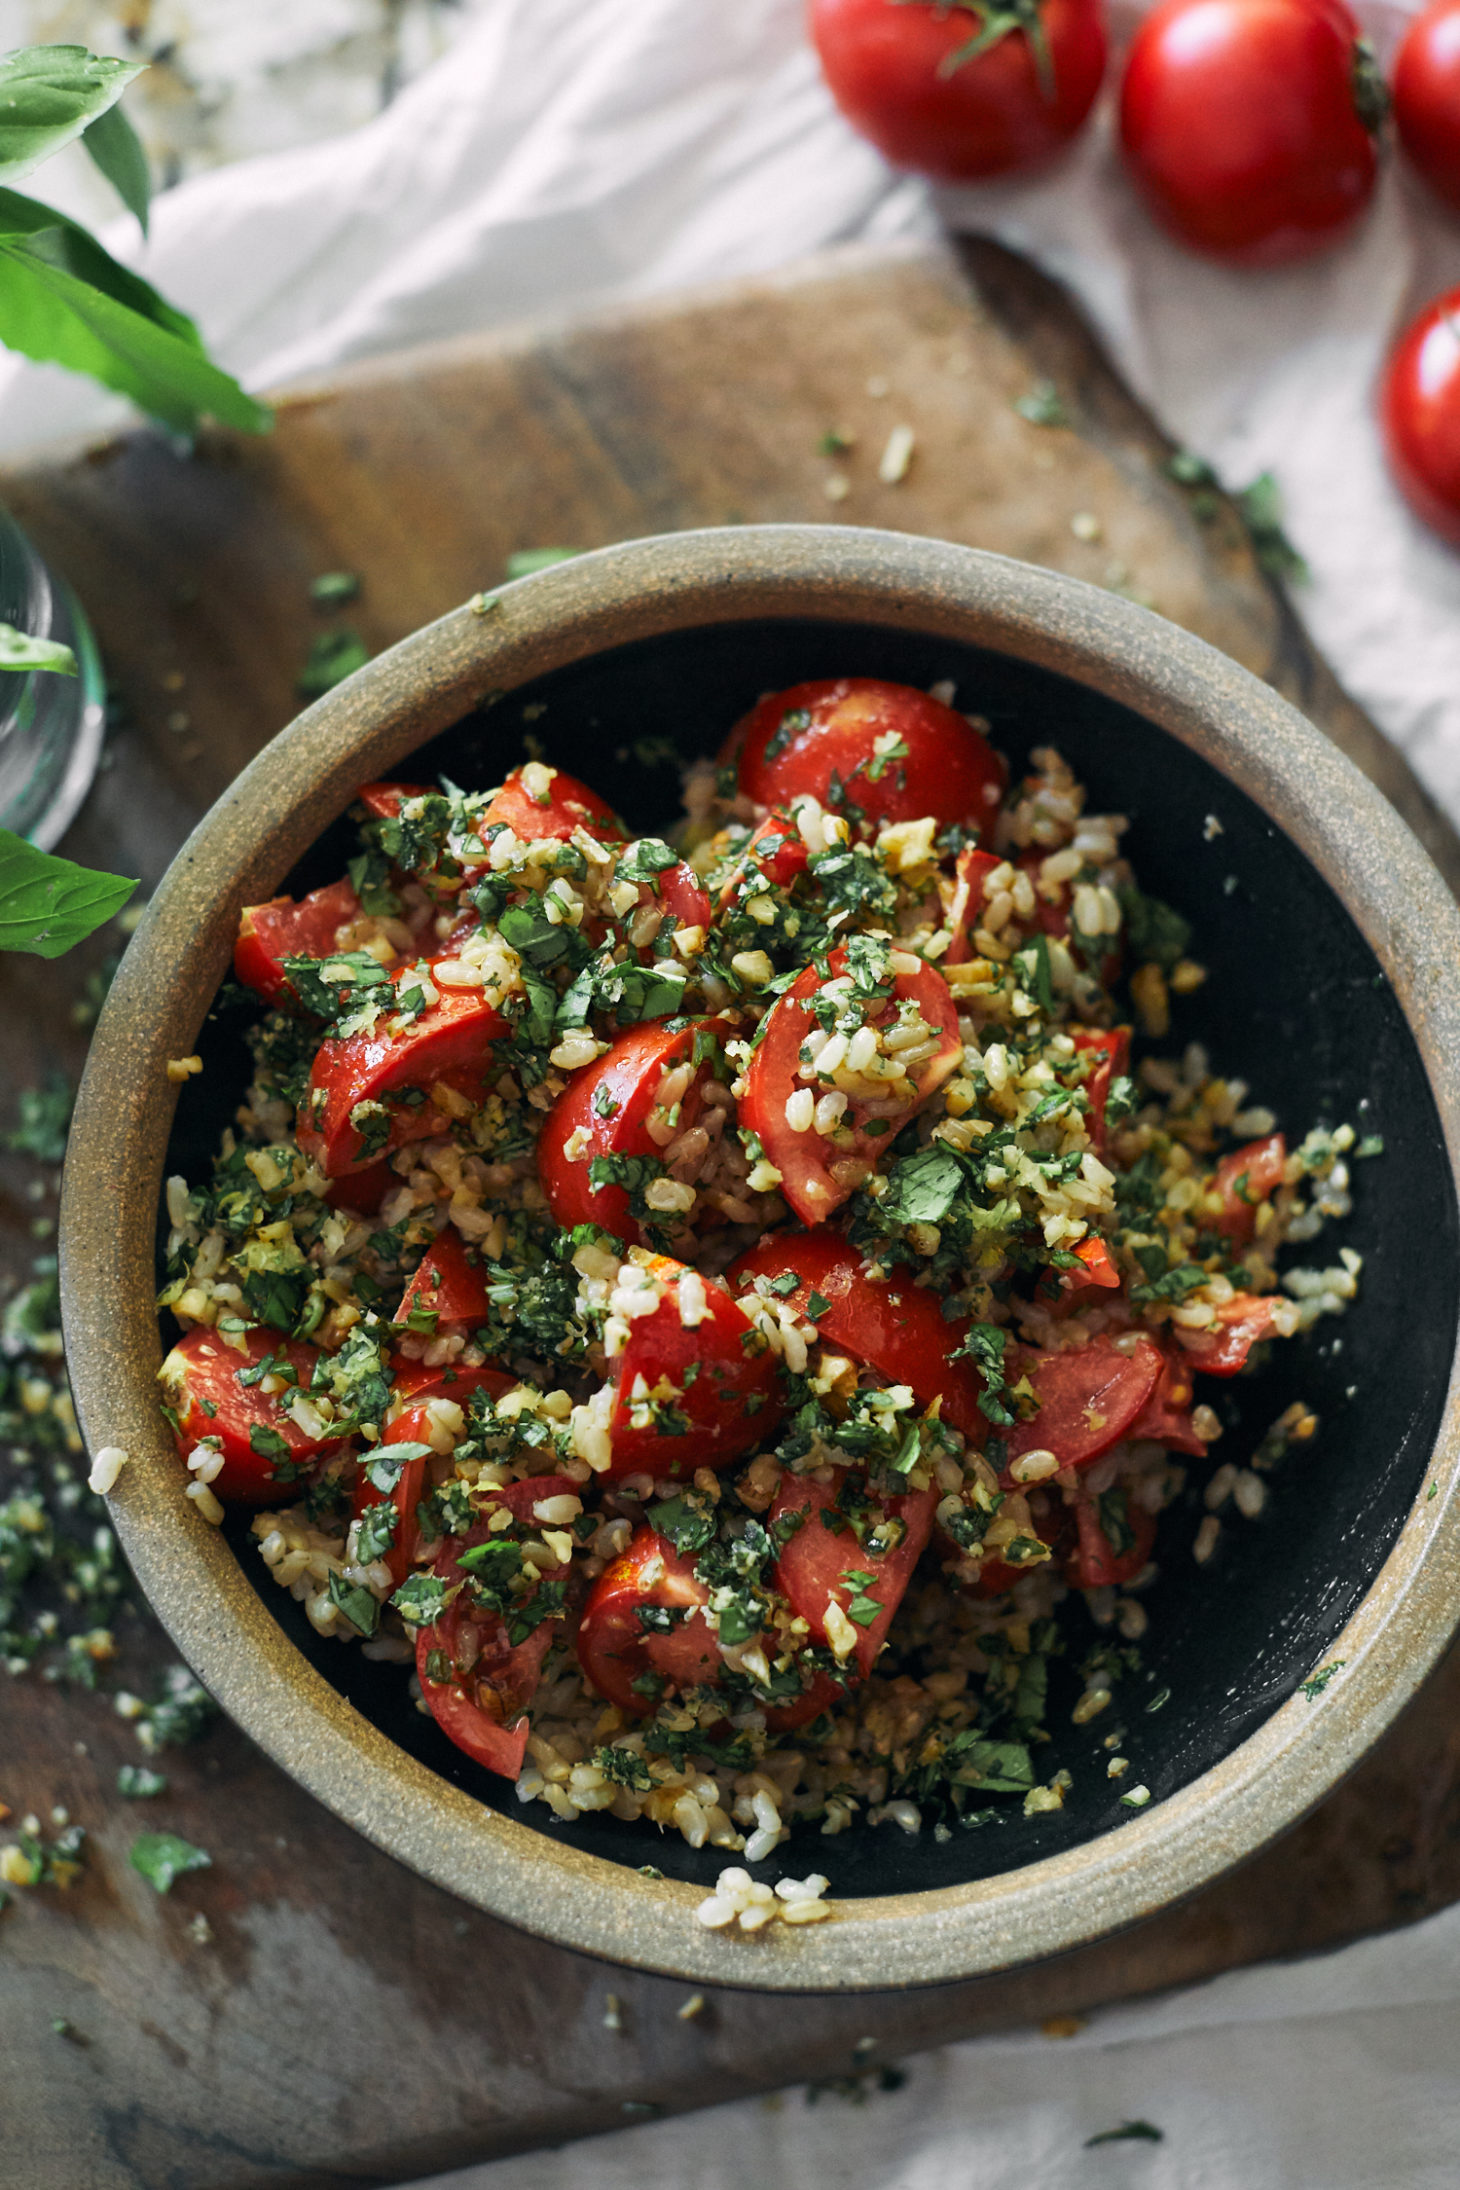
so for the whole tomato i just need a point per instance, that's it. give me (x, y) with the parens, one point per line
(1421, 410)
(963, 89)
(1248, 125)
(1427, 97)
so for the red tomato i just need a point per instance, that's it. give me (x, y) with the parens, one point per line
(813, 1568)
(1096, 1274)
(493, 1678)
(1247, 124)
(1088, 1397)
(447, 1284)
(910, 79)
(1095, 1563)
(568, 805)
(450, 1045)
(415, 1384)
(1054, 916)
(820, 739)
(1052, 1525)
(410, 1428)
(818, 1174)
(965, 913)
(894, 1326)
(823, 1692)
(1109, 1050)
(1166, 1416)
(716, 1377)
(612, 1102)
(1421, 408)
(383, 801)
(775, 853)
(1245, 1321)
(200, 1382)
(682, 898)
(362, 1191)
(1248, 1176)
(287, 927)
(615, 1648)
(1427, 97)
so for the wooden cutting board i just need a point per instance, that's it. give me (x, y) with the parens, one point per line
(348, 2024)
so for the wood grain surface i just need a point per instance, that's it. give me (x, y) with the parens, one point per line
(348, 2024)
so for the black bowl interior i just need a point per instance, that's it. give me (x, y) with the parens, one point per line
(1295, 1005)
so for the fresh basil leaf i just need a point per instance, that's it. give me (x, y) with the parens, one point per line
(116, 149)
(48, 904)
(163, 1858)
(50, 95)
(18, 650)
(66, 301)
(359, 1607)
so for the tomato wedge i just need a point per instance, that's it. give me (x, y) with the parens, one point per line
(1097, 1272)
(1108, 1049)
(415, 1384)
(613, 1102)
(774, 853)
(567, 805)
(819, 1173)
(965, 913)
(823, 1564)
(1089, 1396)
(265, 1453)
(1247, 1177)
(383, 1082)
(823, 1692)
(616, 1648)
(894, 1326)
(1242, 1323)
(383, 801)
(681, 898)
(493, 1679)
(1166, 1417)
(692, 1394)
(288, 927)
(887, 750)
(362, 1191)
(446, 1285)
(1114, 1541)
(410, 1428)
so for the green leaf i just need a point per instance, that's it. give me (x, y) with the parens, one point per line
(18, 650)
(163, 1857)
(333, 656)
(522, 562)
(116, 149)
(66, 301)
(50, 95)
(138, 1783)
(48, 904)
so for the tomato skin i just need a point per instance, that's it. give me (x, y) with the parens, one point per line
(1097, 1273)
(287, 927)
(1109, 1048)
(203, 1366)
(415, 1384)
(1260, 1166)
(732, 1397)
(614, 1648)
(1240, 126)
(810, 1569)
(362, 1191)
(568, 806)
(1421, 415)
(950, 771)
(628, 1077)
(894, 1326)
(970, 873)
(805, 1160)
(775, 852)
(480, 1710)
(1242, 1323)
(1095, 1563)
(1166, 1417)
(450, 1043)
(1427, 97)
(991, 116)
(1088, 1398)
(413, 1427)
(383, 801)
(447, 1284)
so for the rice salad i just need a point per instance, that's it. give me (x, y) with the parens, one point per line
(724, 1315)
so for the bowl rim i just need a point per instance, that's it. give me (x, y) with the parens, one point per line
(239, 853)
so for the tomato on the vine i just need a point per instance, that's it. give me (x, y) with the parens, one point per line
(1427, 97)
(963, 89)
(1421, 410)
(1248, 125)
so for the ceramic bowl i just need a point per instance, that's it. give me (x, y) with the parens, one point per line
(1334, 990)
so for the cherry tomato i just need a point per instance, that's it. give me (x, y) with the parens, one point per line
(1242, 1323)
(1108, 1048)
(1104, 1524)
(415, 1384)
(1421, 409)
(775, 853)
(894, 1326)
(1088, 1397)
(616, 1648)
(492, 1679)
(692, 1394)
(200, 1381)
(957, 93)
(1247, 124)
(448, 1285)
(413, 1427)
(449, 1045)
(822, 740)
(1427, 97)
(818, 1172)
(1166, 1417)
(568, 805)
(1097, 1272)
(822, 1564)
(614, 1102)
(288, 927)
(383, 801)
(965, 912)
(1248, 1176)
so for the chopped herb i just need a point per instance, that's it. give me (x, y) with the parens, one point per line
(1156, 934)
(1042, 406)
(332, 587)
(162, 1858)
(358, 1606)
(138, 1782)
(1372, 1144)
(522, 562)
(1315, 1684)
(332, 656)
(1128, 2133)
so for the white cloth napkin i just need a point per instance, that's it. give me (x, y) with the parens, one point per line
(568, 153)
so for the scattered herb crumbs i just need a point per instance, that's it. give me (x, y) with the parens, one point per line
(332, 587)
(45, 1115)
(1261, 505)
(835, 442)
(1128, 2133)
(332, 656)
(1432, 1492)
(1372, 1144)
(1042, 405)
(138, 1782)
(1315, 1684)
(858, 2088)
(522, 562)
(162, 1858)
(1159, 1701)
